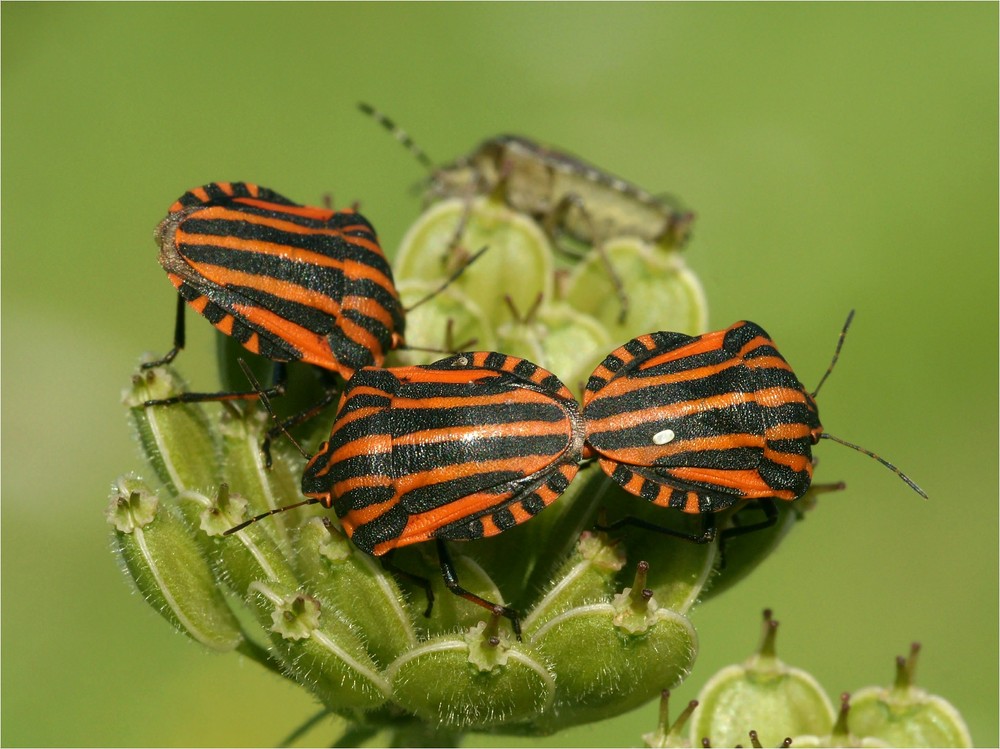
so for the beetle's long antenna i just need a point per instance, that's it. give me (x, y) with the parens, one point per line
(883, 461)
(447, 283)
(836, 353)
(399, 134)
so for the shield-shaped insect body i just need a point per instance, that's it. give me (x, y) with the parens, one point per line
(701, 423)
(289, 282)
(461, 449)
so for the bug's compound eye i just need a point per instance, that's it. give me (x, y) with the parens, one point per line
(663, 437)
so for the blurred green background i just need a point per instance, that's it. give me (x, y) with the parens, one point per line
(837, 155)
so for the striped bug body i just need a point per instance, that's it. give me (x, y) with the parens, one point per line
(702, 423)
(289, 282)
(563, 191)
(464, 448)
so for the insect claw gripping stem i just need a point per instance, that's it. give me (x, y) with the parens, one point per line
(179, 337)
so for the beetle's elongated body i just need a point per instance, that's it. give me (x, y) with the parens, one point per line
(563, 191)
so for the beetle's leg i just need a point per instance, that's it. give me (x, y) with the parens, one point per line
(554, 219)
(293, 421)
(770, 518)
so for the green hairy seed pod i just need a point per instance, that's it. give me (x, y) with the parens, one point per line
(159, 552)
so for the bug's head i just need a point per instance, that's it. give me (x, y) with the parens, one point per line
(316, 483)
(165, 236)
(815, 427)
(678, 230)
(455, 180)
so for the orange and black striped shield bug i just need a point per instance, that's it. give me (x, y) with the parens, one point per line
(458, 450)
(289, 282)
(564, 193)
(703, 423)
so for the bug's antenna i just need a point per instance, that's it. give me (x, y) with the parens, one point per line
(870, 454)
(399, 134)
(275, 511)
(836, 353)
(267, 404)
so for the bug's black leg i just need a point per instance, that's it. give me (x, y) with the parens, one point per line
(178, 338)
(770, 518)
(279, 378)
(423, 582)
(707, 534)
(451, 580)
(293, 421)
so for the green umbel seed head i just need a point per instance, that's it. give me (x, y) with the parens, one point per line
(604, 615)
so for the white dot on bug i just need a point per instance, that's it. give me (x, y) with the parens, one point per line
(662, 438)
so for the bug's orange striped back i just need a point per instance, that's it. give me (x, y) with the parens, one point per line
(464, 448)
(289, 282)
(700, 423)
